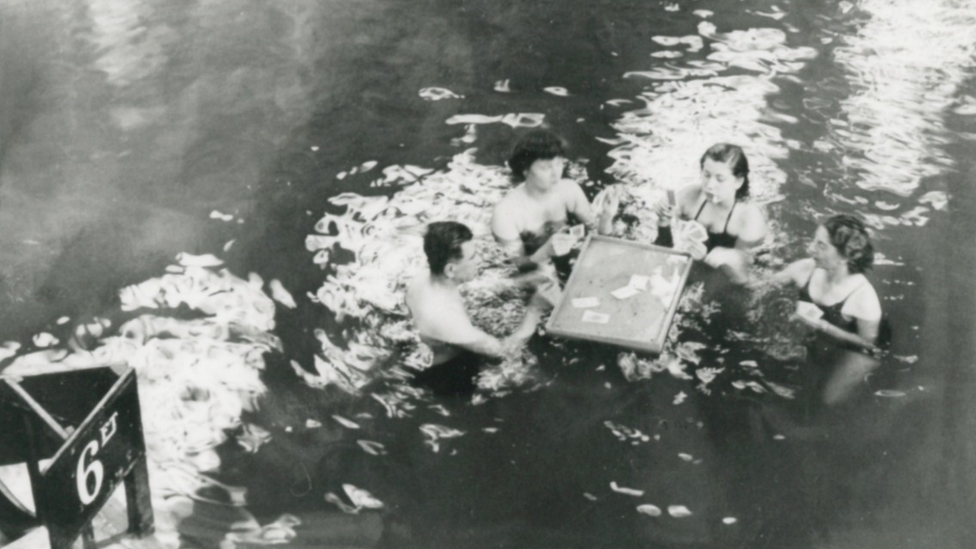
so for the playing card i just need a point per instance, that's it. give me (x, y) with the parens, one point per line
(638, 282)
(562, 243)
(671, 197)
(579, 231)
(808, 310)
(585, 302)
(625, 292)
(596, 318)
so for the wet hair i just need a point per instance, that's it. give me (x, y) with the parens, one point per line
(535, 145)
(442, 244)
(851, 239)
(733, 155)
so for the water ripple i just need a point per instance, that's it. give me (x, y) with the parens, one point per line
(905, 65)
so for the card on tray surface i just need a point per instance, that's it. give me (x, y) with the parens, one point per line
(639, 282)
(596, 318)
(586, 302)
(625, 292)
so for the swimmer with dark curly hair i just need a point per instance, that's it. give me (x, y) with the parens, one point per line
(847, 318)
(529, 221)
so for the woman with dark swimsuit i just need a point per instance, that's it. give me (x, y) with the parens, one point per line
(848, 333)
(840, 427)
(733, 225)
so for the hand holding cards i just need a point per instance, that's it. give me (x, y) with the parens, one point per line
(665, 209)
(564, 240)
(546, 295)
(562, 243)
(808, 311)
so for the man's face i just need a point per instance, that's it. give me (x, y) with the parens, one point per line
(466, 267)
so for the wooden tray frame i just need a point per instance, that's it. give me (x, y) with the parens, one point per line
(654, 346)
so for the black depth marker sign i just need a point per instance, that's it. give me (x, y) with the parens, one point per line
(105, 450)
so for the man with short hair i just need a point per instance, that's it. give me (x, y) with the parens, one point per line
(438, 309)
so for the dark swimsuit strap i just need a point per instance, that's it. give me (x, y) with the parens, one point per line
(725, 228)
(806, 288)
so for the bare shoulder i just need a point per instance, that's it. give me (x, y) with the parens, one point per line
(864, 302)
(748, 210)
(507, 203)
(748, 221)
(415, 289)
(569, 189)
(416, 283)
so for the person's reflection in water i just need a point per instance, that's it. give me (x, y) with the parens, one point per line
(438, 311)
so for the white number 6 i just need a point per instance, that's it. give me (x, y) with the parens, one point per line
(93, 469)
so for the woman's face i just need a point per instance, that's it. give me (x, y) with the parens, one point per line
(718, 183)
(544, 174)
(823, 251)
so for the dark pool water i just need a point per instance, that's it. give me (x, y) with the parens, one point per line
(123, 125)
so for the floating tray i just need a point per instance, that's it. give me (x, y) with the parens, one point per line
(639, 322)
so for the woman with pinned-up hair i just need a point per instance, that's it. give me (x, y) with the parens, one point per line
(718, 203)
(839, 303)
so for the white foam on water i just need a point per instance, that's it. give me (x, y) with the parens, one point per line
(438, 94)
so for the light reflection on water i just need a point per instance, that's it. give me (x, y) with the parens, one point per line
(217, 114)
(920, 58)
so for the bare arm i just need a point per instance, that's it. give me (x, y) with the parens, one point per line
(457, 330)
(796, 273)
(597, 217)
(460, 332)
(482, 343)
(867, 333)
(752, 230)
